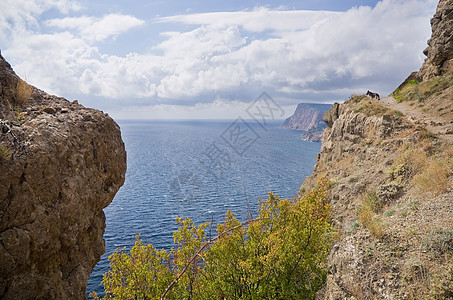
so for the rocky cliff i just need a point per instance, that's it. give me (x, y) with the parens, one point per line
(60, 165)
(439, 52)
(314, 134)
(307, 116)
(392, 203)
(390, 164)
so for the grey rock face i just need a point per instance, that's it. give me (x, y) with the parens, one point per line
(440, 46)
(64, 163)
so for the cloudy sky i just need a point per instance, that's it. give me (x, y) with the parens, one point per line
(179, 59)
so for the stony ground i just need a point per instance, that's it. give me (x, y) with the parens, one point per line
(435, 123)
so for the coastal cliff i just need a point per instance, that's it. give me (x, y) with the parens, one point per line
(60, 165)
(308, 117)
(390, 166)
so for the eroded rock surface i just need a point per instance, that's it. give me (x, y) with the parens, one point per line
(62, 164)
(440, 46)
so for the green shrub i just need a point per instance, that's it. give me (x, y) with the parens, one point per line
(354, 227)
(408, 164)
(413, 205)
(280, 255)
(419, 91)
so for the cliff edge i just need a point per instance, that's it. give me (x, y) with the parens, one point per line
(392, 204)
(60, 165)
(390, 164)
(308, 117)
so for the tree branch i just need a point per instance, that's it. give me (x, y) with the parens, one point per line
(202, 248)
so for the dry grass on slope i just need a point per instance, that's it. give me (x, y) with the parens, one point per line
(23, 92)
(433, 97)
(392, 202)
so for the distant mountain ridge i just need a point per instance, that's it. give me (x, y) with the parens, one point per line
(307, 116)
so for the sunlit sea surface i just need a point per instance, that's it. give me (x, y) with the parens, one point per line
(198, 169)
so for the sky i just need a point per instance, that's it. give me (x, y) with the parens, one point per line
(179, 59)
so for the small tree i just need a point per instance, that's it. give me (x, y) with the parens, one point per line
(280, 255)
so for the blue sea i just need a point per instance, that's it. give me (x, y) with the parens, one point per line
(198, 169)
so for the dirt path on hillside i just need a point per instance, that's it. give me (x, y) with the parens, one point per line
(441, 128)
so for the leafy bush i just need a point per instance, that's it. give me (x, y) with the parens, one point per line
(398, 113)
(397, 95)
(388, 193)
(280, 255)
(390, 213)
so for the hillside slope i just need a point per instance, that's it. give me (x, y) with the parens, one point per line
(391, 199)
(390, 163)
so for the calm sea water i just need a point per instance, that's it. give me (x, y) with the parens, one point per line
(198, 169)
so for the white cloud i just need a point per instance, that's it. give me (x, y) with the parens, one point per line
(17, 16)
(258, 20)
(97, 29)
(301, 55)
(359, 48)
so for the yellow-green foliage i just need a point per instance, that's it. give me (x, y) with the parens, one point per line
(368, 214)
(23, 92)
(426, 174)
(5, 153)
(407, 92)
(408, 164)
(419, 91)
(280, 255)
